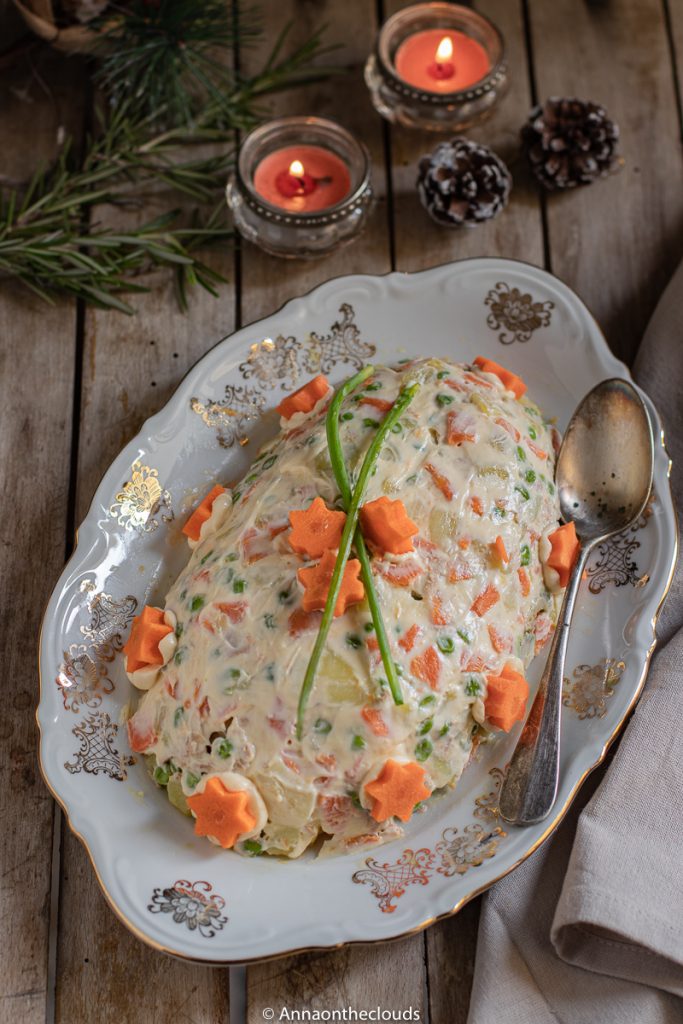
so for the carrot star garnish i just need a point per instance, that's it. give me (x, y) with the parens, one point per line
(316, 529)
(305, 399)
(386, 524)
(193, 526)
(506, 697)
(223, 814)
(142, 647)
(396, 790)
(509, 380)
(316, 582)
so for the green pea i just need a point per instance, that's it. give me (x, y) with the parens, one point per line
(369, 627)
(252, 847)
(525, 558)
(270, 462)
(426, 701)
(322, 726)
(529, 476)
(197, 603)
(423, 749)
(178, 716)
(192, 780)
(444, 400)
(357, 743)
(367, 422)
(446, 644)
(353, 641)
(441, 374)
(161, 775)
(523, 491)
(521, 454)
(532, 433)
(346, 416)
(426, 727)
(464, 636)
(224, 749)
(472, 688)
(238, 586)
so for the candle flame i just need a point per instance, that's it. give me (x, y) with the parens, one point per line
(296, 169)
(444, 50)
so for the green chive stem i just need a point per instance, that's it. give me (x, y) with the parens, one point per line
(344, 484)
(404, 399)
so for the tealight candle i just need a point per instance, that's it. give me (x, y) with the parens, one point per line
(301, 187)
(438, 66)
(302, 178)
(440, 61)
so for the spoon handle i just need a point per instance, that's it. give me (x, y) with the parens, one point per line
(530, 787)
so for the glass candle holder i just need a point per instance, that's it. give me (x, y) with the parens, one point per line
(437, 66)
(301, 187)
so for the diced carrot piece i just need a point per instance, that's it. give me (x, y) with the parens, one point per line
(378, 403)
(142, 647)
(427, 667)
(193, 526)
(459, 570)
(386, 524)
(565, 547)
(500, 641)
(460, 426)
(374, 719)
(524, 582)
(464, 543)
(537, 451)
(440, 480)
(235, 610)
(305, 399)
(256, 544)
(436, 612)
(316, 529)
(455, 385)
(141, 735)
(500, 551)
(372, 643)
(409, 638)
(507, 426)
(543, 630)
(488, 597)
(473, 662)
(506, 697)
(221, 813)
(510, 380)
(477, 380)
(303, 622)
(316, 582)
(335, 811)
(397, 789)
(399, 574)
(477, 506)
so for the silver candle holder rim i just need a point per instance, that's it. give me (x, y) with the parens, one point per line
(490, 81)
(356, 198)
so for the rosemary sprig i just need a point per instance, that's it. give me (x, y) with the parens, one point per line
(342, 478)
(404, 399)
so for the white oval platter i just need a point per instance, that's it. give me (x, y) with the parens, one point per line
(177, 892)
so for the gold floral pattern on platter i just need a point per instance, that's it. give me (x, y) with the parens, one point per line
(98, 754)
(469, 849)
(454, 854)
(615, 563)
(591, 686)
(192, 904)
(280, 363)
(231, 416)
(142, 501)
(83, 675)
(388, 882)
(516, 312)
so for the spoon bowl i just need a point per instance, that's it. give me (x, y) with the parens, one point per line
(604, 469)
(604, 478)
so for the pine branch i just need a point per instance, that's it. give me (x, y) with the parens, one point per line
(168, 96)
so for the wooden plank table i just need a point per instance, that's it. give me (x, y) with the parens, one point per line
(69, 402)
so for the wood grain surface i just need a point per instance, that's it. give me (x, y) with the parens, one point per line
(76, 384)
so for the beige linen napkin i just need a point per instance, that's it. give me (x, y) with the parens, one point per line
(590, 928)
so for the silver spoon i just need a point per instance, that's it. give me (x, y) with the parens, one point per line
(604, 479)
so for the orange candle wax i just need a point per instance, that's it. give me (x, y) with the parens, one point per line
(302, 179)
(441, 60)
